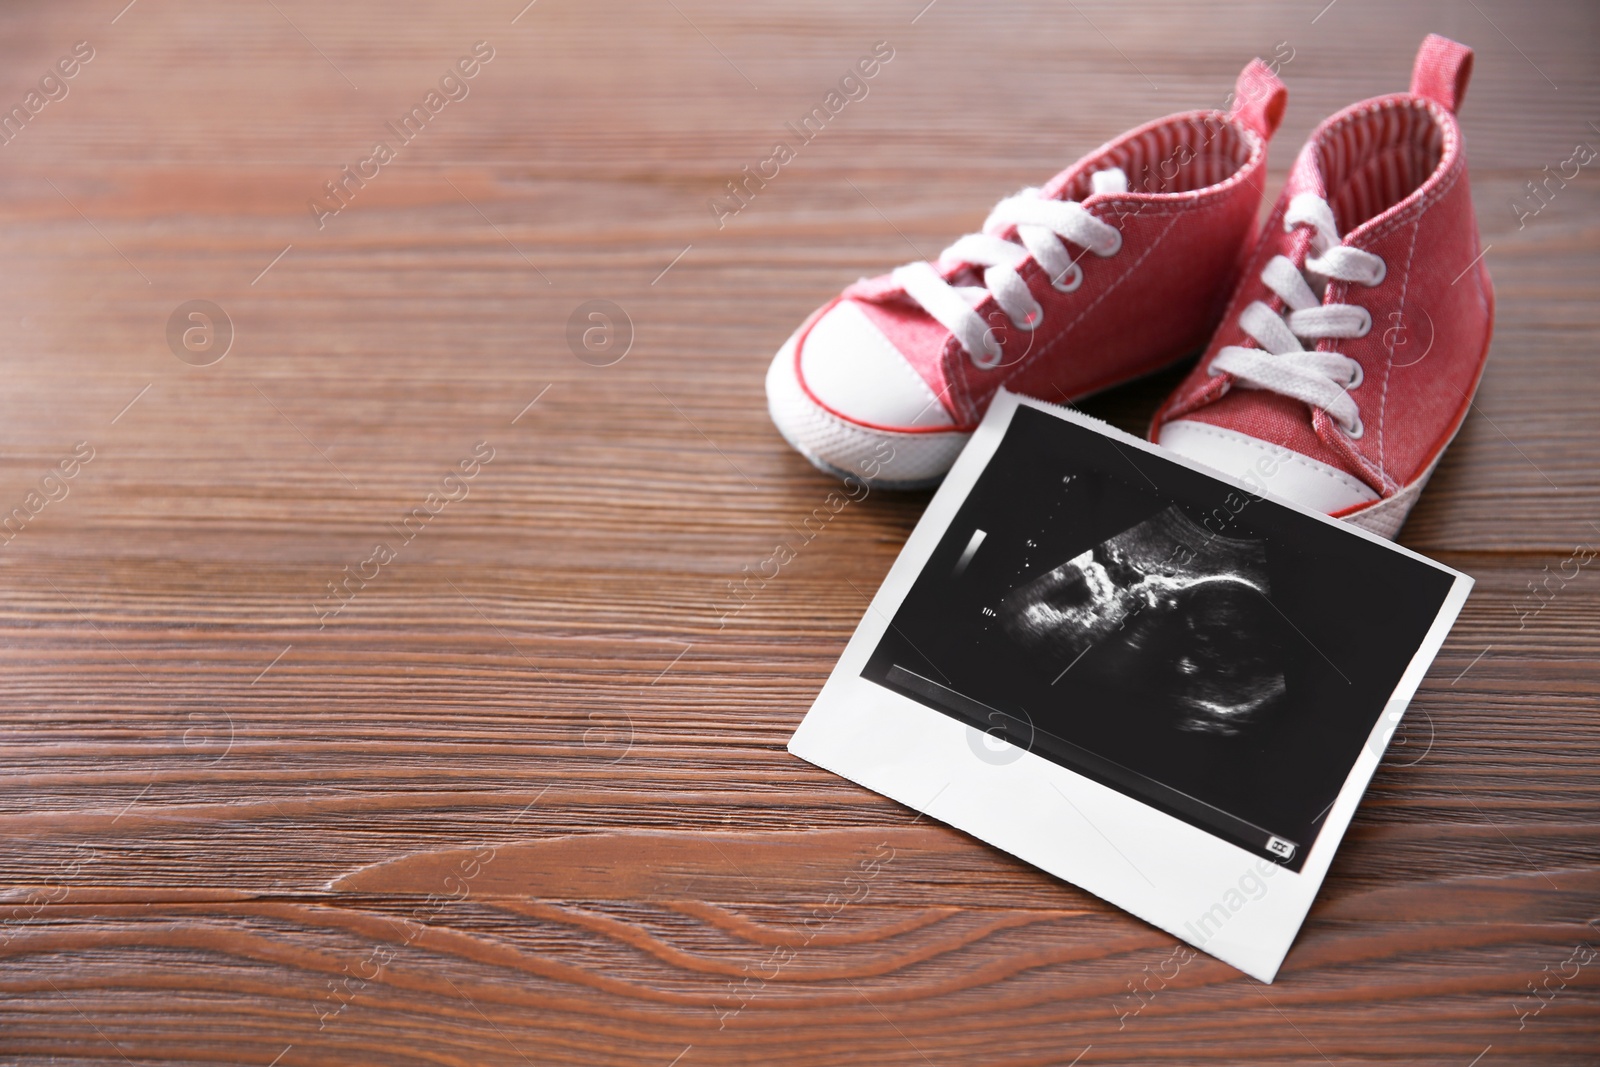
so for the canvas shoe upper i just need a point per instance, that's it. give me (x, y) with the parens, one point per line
(1350, 353)
(1118, 266)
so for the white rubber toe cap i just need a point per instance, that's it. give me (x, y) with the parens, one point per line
(851, 367)
(1273, 469)
(882, 458)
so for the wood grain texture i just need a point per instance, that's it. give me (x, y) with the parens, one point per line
(525, 799)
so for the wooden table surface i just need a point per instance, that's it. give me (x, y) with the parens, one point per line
(519, 798)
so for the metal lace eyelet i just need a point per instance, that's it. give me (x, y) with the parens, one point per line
(1383, 272)
(987, 360)
(1354, 432)
(1360, 376)
(1366, 325)
(1074, 274)
(1115, 244)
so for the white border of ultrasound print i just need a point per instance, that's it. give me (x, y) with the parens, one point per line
(1218, 897)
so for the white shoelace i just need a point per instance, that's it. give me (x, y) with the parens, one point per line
(1042, 225)
(1282, 364)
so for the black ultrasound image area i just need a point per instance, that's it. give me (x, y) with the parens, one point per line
(1180, 612)
(1213, 654)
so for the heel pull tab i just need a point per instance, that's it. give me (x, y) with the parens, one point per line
(1442, 71)
(1258, 100)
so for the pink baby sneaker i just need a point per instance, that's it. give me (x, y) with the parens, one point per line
(1119, 266)
(1345, 364)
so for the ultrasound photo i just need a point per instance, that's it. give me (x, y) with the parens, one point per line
(1193, 646)
(1181, 613)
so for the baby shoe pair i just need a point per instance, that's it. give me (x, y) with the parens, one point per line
(1342, 342)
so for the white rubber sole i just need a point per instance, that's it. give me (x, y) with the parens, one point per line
(1385, 517)
(883, 459)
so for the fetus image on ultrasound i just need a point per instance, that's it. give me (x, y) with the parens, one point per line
(1166, 610)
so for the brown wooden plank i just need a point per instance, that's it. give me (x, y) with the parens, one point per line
(218, 809)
